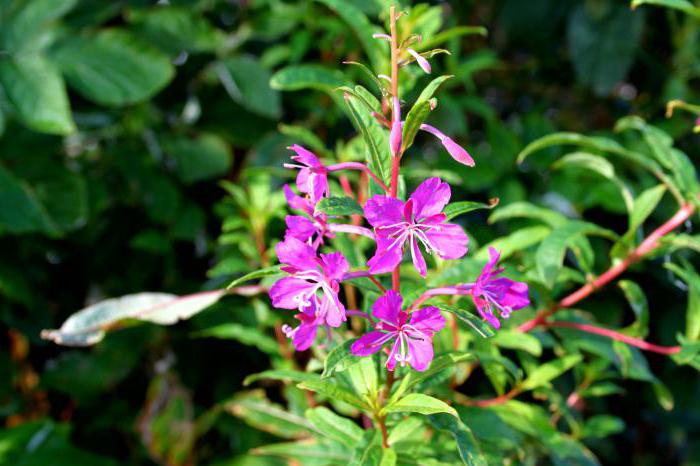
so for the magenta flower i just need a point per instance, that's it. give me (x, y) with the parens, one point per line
(412, 334)
(419, 220)
(304, 335)
(313, 281)
(491, 291)
(455, 150)
(396, 128)
(312, 178)
(304, 228)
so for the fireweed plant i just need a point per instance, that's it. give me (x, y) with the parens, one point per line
(392, 306)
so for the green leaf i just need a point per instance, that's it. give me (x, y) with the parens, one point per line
(24, 22)
(517, 241)
(333, 391)
(543, 374)
(468, 448)
(204, 157)
(448, 34)
(376, 51)
(454, 209)
(310, 452)
(439, 364)
(692, 279)
(298, 77)
(375, 138)
(364, 379)
(338, 359)
(249, 84)
(261, 273)
(242, 333)
(430, 89)
(335, 206)
(604, 44)
(527, 210)
(175, 29)
(601, 426)
(599, 165)
(416, 117)
(518, 341)
(644, 205)
(638, 302)
(262, 414)
(418, 403)
(683, 5)
(476, 323)
(335, 427)
(550, 254)
(113, 67)
(36, 93)
(20, 210)
(88, 326)
(281, 374)
(373, 77)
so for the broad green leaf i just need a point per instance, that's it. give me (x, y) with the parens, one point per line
(474, 322)
(550, 253)
(543, 374)
(20, 210)
(261, 273)
(24, 22)
(416, 117)
(113, 67)
(454, 209)
(517, 241)
(335, 206)
(368, 451)
(418, 403)
(601, 426)
(376, 51)
(683, 5)
(338, 359)
(527, 210)
(244, 334)
(604, 43)
(36, 93)
(518, 341)
(638, 302)
(281, 374)
(248, 83)
(298, 77)
(206, 156)
(692, 279)
(262, 414)
(644, 205)
(335, 427)
(88, 326)
(175, 29)
(468, 448)
(364, 379)
(333, 391)
(599, 165)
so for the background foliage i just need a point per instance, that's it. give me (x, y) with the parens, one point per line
(140, 150)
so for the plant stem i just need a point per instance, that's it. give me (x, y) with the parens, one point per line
(649, 244)
(396, 158)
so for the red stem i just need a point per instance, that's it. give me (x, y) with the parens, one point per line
(637, 342)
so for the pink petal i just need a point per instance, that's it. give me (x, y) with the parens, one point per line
(304, 336)
(449, 240)
(284, 290)
(421, 352)
(428, 319)
(335, 265)
(430, 197)
(296, 253)
(422, 62)
(388, 307)
(305, 156)
(332, 309)
(383, 211)
(299, 227)
(418, 260)
(385, 259)
(370, 343)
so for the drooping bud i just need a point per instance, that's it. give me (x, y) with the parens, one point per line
(395, 135)
(455, 150)
(422, 62)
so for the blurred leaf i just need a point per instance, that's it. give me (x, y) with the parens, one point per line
(309, 452)
(692, 279)
(418, 403)
(247, 82)
(281, 374)
(638, 302)
(23, 20)
(448, 34)
(201, 158)
(683, 5)
(298, 77)
(262, 414)
(468, 448)
(335, 427)
(36, 93)
(603, 43)
(602, 426)
(338, 359)
(243, 334)
(334, 206)
(333, 391)
(518, 341)
(113, 67)
(543, 374)
(261, 273)
(455, 209)
(20, 210)
(88, 326)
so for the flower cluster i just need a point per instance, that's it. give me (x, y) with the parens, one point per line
(399, 228)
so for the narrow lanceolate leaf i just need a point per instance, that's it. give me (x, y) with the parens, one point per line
(335, 427)
(339, 206)
(448, 34)
(262, 414)
(543, 374)
(333, 391)
(550, 254)
(692, 279)
(113, 67)
(474, 322)
(418, 403)
(468, 448)
(439, 364)
(454, 209)
(374, 135)
(644, 205)
(244, 334)
(430, 89)
(261, 273)
(373, 77)
(363, 376)
(416, 117)
(88, 326)
(298, 77)
(638, 302)
(338, 359)
(285, 375)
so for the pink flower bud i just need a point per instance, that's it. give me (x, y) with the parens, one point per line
(455, 150)
(422, 62)
(395, 135)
